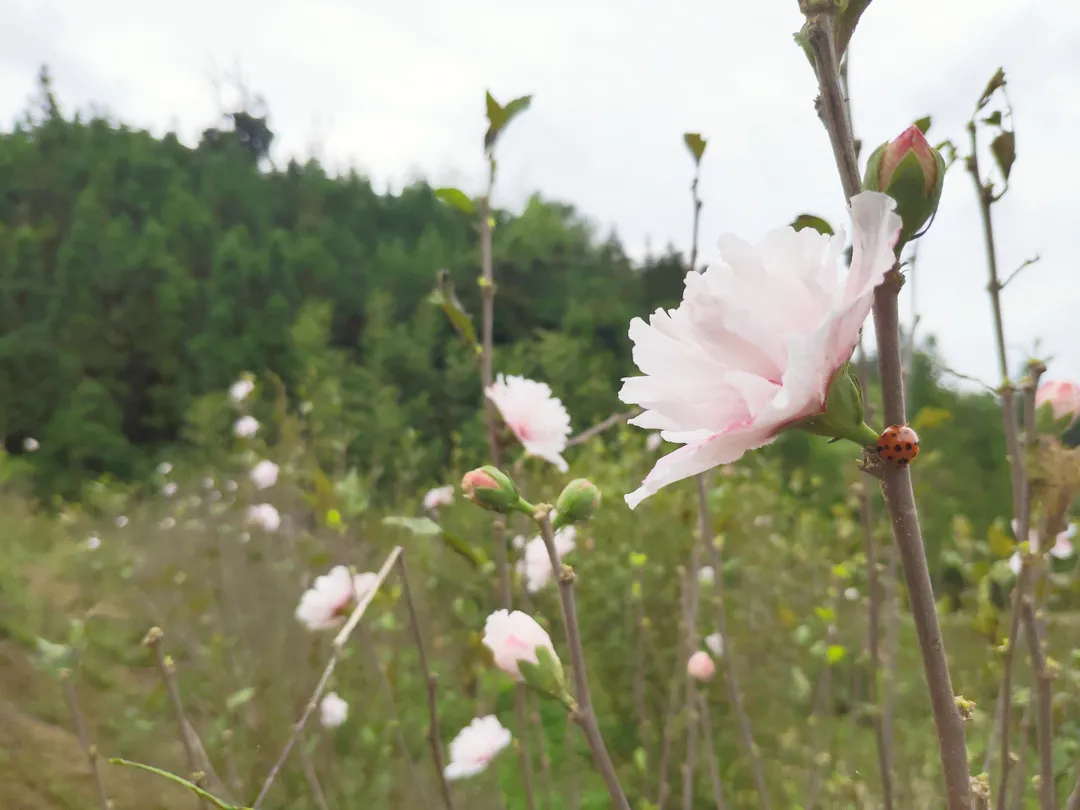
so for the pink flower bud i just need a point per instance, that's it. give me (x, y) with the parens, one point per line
(1063, 398)
(700, 667)
(912, 172)
(911, 140)
(490, 488)
(514, 637)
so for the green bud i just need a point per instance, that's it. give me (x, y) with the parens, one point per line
(546, 677)
(578, 502)
(912, 172)
(843, 414)
(492, 489)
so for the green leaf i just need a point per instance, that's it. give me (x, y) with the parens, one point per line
(836, 653)
(810, 221)
(198, 791)
(637, 559)
(239, 698)
(639, 759)
(996, 82)
(444, 297)
(826, 614)
(800, 684)
(499, 117)
(1004, 149)
(993, 119)
(457, 198)
(696, 144)
(923, 124)
(423, 526)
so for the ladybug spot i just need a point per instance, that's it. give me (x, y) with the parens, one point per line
(898, 448)
(907, 446)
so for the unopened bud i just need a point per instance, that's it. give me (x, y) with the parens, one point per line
(1057, 404)
(912, 172)
(577, 503)
(490, 488)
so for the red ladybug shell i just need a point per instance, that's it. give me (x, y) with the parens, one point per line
(898, 444)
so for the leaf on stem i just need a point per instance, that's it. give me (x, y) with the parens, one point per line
(810, 221)
(499, 117)
(1004, 150)
(172, 777)
(446, 299)
(997, 81)
(426, 527)
(457, 198)
(696, 144)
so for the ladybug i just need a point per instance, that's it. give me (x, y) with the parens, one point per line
(898, 444)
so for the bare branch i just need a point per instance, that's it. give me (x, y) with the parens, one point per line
(84, 738)
(600, 427)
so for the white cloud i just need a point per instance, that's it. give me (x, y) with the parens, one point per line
(396, 89)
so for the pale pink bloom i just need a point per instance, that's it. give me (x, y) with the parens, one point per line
(475, 746)
(167, 522)
(1062, 548)
(440, 496)
(31, 445)
(514, 637)
(753, 345)
(164, 468)
(169, 489)
(715, 643)
(1062, 396)
(700, 667)
(333, 711)
(652, 444)
(241, 389)
(265, 516)
(851, 594)
(325, 604)
(93, 542)
(535, 565)
(245, 427)
(264, 474)
(706, 575)
(536, 417)
(518, 542)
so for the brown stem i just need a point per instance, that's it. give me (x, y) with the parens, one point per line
(1073, 802)
(201, 771)
(313, 781)
(1044, 710)
(583, 714)
(336, 649)
(432, 681)
(668, 732)
(710, 753)
(896, 481)
(1025, 728)
(731, 677)
(89, 748)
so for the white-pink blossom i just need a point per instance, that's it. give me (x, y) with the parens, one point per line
(265, 516)
(169, 489)
(325, 604)
(700, 667)
(333, 710)
(241, 389)
(31, 445)
(653, 442)
(514, 637)
(245, 427)
(439, 496)
(755, 342)
(535, 416)
(535, 564)
(1062, 548)
(715, 643)
(1062, 396)
(264, 474)
(475, 746)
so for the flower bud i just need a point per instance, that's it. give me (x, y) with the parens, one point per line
(700, 667)
(577, 503)
(1057, 403)
(491, 489)
(912, 172)
(843, 414)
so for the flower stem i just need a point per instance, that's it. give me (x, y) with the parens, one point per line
(584, 716)
(896, 481)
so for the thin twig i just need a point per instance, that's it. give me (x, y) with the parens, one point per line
(896, 481)
(616, 418)
(201, 771)
(1044, 709)
(583, 713)
(336, 649)
(89, 748)
(731, 677)
(668, 731)
(313, 780)
(710, 753)
(1025, 728)
(434, 739)
(1073, 802)
(1016, 272)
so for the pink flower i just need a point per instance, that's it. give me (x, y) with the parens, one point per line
(265, 516)
(440, 496)
(700, 667)
(753, 345)
(333, 711)
(245, 427)
(514, 637)
(264, 474)
(475, 746)
(1062, 548)
(1062, 396)
(535, 565)
(536, 417)
(324, 605)
(910, 141)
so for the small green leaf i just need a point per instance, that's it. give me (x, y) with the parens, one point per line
(696, 144)
(198, 791)
(835, 654)
(637, 559)
(826, 614)
(810, 221)
(499, 117)
(996, 82)
(993, 119)
(424, 526)
(1004, 149)
(923, 124)
(239, 698)
(639, 759)
(444, 297)
(457, 198)
(800, 684)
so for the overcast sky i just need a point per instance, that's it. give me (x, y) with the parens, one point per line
(395, 88)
